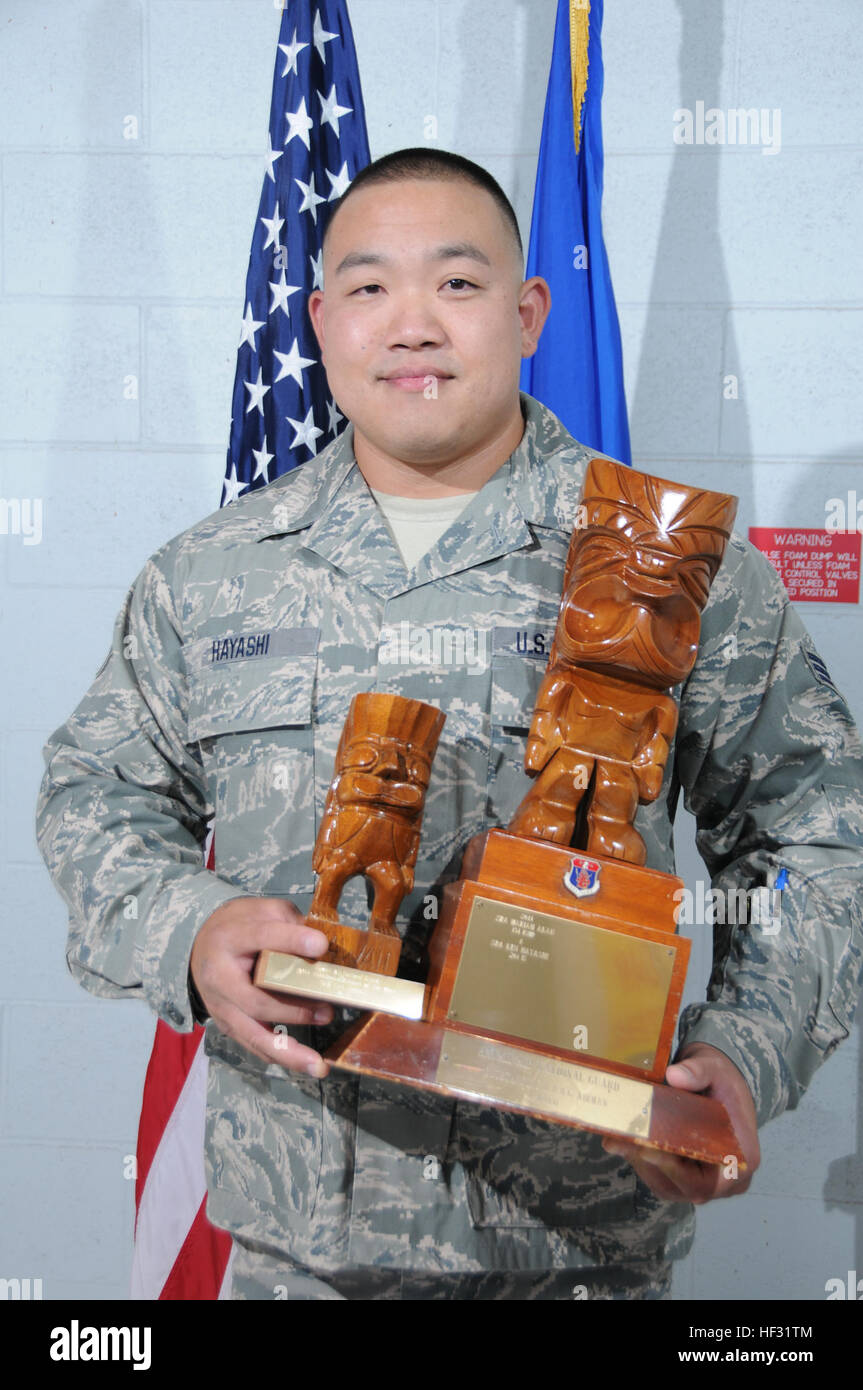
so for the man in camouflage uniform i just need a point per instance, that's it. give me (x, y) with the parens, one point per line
(234, 661)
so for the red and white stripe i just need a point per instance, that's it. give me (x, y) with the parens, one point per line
(178, 1253)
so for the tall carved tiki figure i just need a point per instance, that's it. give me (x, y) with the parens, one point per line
(637, 577)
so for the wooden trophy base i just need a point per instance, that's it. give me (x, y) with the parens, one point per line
(558, 1001)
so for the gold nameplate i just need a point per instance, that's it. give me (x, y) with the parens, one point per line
(504, 1075)
(339, 984)
(561, 982)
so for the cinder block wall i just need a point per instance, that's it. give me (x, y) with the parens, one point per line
(131, 139)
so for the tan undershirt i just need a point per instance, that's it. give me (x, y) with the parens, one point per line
(417, 523)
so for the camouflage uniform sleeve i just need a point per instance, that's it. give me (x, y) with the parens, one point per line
(772, 768)
(122, 813)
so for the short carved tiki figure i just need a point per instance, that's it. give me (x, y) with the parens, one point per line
(372, 818)
(637, 577)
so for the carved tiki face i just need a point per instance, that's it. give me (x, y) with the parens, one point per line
(386, 751)
(639, 573)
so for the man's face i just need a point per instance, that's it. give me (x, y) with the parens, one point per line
(424, 319)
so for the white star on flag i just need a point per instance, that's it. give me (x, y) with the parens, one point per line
(250, 328)
(273, 225)
(281, 291)
(310, 197)
(300, 125)
(318, 270)
(271, 156)
(262, 462)
(321, 36)
(335, 417)
(331, 111)
(292, 364)
(306, 432)
(292, 51)
(341, 182)
(257, 391)
(232, 487)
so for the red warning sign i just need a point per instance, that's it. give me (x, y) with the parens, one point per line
(814, 566)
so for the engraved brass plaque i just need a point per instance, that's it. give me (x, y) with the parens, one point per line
(552, 980)
(505, 1075)
(339, 984)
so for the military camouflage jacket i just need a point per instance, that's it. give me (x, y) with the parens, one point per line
(234, 661)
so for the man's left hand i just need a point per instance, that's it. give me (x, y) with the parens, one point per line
(707, 1070)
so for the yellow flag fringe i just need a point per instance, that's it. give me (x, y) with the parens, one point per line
(579, 33)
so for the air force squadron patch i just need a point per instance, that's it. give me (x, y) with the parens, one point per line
(582, 877)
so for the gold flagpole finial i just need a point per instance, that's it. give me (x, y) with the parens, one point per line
(579, 33)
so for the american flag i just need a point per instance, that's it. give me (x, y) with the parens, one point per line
(282, 416)
(282, 411)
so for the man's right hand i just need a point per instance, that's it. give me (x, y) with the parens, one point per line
(221, 965)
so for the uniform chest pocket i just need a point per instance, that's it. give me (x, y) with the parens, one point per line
(253, 723)
(515, 682)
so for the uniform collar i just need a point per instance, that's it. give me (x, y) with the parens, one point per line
(332, 504)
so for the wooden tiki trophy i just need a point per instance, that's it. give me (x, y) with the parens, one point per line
(370, 826)
(556, 970)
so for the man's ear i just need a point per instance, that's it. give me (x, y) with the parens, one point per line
(534, 307)
(316, 314)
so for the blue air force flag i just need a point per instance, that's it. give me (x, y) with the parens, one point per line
(577, 370)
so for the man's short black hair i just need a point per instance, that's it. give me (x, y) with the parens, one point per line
(424, 163)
